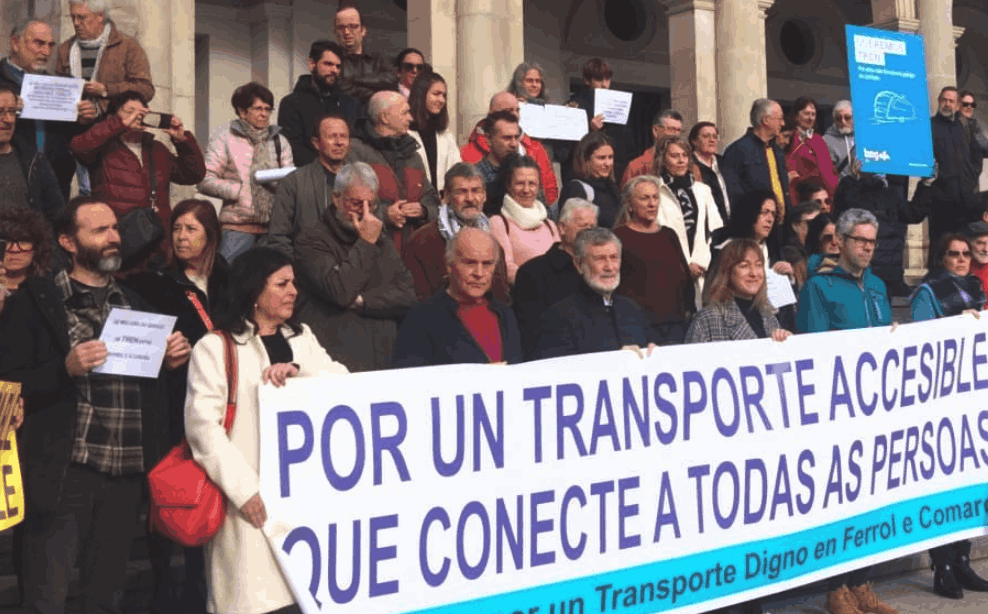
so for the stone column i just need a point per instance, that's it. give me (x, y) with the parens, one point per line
(937, 27)
(486, 30)
(270, 47)
(741, 63)
(432, 29)
(692, 59)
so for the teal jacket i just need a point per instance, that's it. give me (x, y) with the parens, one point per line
(832, 299)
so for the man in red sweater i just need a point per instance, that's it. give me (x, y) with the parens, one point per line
(978, 232)
(477, 147)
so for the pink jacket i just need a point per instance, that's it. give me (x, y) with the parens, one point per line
(520, 245)
(228, 158)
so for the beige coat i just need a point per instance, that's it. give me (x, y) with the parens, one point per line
(242, 572)
(671, 215)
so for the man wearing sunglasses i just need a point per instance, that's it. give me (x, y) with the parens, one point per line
(364, 73)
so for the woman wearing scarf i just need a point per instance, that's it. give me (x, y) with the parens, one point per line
(236, 151)
(686, 206)
(522, 228)
(807, 156)
(947, 290)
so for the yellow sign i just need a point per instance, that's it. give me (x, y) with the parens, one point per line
(11, 491)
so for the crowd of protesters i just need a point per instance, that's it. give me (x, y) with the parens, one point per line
(385, 244)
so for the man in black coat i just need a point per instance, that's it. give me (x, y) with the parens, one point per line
(461, 323)
(88, 439)
(314, 96)
(551, 277)
(755, 161)
(955, 185)
(365, 74)
(594, 318)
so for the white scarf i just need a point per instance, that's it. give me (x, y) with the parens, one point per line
(526, 217)
(75, 57)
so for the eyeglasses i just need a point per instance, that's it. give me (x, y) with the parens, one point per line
(9, 113)
(824, 201)
(348, 27)
(264, 109)
(845, 118)
(864, 241)
(969, 105)
(355, 203)
(953, 253)
(409, 67)
(19, 247)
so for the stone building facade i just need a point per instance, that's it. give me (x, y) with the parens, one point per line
(707, 58)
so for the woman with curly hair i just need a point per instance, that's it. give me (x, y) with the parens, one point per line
(528, 83)
(27, 249)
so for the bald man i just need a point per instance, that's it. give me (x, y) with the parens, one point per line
(478, 146)
(461, 323)
(383, 142)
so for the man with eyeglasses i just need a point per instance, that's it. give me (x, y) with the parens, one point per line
(839, 138)
(846, 295)
(665, 123)
(364, 73)
(958, 162)
(754, 161)
(353, 286)
(27, 180)
(315, 95)
(31, 45)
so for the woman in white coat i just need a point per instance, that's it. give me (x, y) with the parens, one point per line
(430, 127)
(242, 572)
(686, 205)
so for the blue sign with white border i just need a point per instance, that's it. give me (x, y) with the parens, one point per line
(889, 96)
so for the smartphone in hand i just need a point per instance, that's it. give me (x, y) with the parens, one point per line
(162, 121)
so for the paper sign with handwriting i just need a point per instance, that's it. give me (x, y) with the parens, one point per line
(51, 98)
(612, 104)
(136, 342)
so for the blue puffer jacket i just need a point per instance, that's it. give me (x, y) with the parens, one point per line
(833, 299)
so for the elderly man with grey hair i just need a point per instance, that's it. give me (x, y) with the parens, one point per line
(353, 287)
(595, 318)
(383, 142)
(553, 276)
(846, 295)
(840, 138)
(31, 46)
(755, 161)
(110, 62)
(462, 323)
(464, 198)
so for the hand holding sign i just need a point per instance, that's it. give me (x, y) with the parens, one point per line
(177, 351)
(85, 357)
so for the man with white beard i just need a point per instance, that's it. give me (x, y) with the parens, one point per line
(594, 318)
(840, 138)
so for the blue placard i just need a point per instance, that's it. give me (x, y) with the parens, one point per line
(889, 95)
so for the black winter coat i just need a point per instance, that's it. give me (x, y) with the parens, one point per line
(34, 343)
(299, 110)
(539, 283)
(334, 267)
(432, 334)
(366, 74)
(893, 213)
(606, 196)
(582, 324)
(167, 291)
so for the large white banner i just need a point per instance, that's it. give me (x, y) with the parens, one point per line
(700, 476)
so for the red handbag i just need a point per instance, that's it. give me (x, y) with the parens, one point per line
(185, 505)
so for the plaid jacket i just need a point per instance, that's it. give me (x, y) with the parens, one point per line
(725, 322)
(108, 436)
